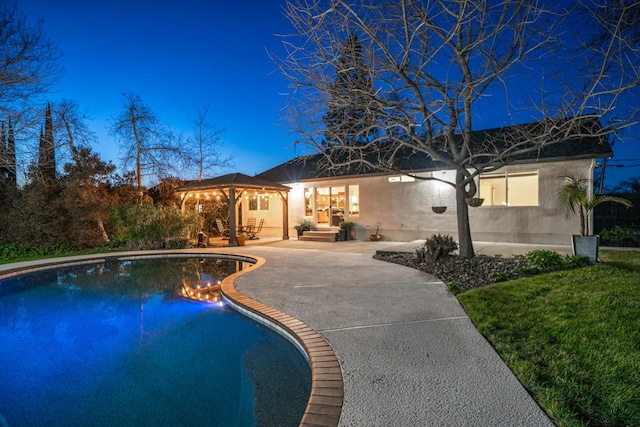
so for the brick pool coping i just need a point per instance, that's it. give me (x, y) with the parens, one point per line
(327, 389)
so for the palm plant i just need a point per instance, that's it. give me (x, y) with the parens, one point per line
(575, 197)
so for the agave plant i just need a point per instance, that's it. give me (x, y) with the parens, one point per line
(575, 197)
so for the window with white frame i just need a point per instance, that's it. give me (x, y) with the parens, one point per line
(354, 200)
(258, 202)
(332, 205)
(308, 201)
(509, 189)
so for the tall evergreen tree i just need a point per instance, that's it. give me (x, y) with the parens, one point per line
(352, 114)
(12, 173)
(46, 153)
(7, 157)
(4, 160)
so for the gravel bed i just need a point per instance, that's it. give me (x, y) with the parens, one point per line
(464, 273)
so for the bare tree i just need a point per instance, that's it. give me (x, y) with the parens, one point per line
(70, 128)
(434, 65)
(206, 143)
(29, 63)
(152, 149)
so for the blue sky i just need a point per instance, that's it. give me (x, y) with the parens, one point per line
(178, 56)
(181, 55)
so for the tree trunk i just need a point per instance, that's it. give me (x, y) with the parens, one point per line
(462, 212)
(105, 236)
(72, 146)
(134, 127)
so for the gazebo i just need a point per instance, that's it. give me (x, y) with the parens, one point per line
(232, 187)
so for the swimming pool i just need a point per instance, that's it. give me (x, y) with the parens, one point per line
(116, 343)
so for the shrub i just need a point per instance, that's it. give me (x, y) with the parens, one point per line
(13, 251)
(454, 288)
(436, 247)
(546, 259)
(421, 254)
(530, 271)
(499, 276)
(575, 261)
(303, 225)
(618, 236)
(136, 224)
(178, 243)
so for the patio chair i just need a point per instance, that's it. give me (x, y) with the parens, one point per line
(250, 228)
(224, 232)
(252, 235)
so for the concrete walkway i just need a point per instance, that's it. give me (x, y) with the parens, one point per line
(409, 354)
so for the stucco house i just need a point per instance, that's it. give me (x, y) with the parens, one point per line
(519, 198)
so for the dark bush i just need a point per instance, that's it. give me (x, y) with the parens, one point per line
(618, 236)
(575, 261)
(178, 243)
(436, 247)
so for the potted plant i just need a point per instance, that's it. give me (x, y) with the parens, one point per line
(241, 239)
(576, 197)
(345, 230)
(303, 225)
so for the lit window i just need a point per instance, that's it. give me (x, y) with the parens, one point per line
(403, 178)
(509, 189)
(308, 202)
(354, 200)
(259, 202)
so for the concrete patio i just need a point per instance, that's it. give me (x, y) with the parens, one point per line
(409, 354)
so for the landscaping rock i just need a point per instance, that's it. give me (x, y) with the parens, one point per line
(465, 273)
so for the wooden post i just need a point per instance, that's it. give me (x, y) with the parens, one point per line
(233, 238)
(285, 215)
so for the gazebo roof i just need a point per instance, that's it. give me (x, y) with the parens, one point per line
(236, 180)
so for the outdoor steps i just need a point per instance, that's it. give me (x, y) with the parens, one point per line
(319, 236)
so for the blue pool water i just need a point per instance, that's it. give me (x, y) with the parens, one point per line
(113, 344)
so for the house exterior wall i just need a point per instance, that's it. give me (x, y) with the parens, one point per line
(272, 217)
(403, 209)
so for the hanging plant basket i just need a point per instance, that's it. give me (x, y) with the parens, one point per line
(474, 201)
(438, 209)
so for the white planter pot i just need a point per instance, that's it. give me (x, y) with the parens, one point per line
(587, 246)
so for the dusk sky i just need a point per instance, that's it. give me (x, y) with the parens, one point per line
(180, 56)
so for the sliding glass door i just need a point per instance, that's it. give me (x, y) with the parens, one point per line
(330, 205)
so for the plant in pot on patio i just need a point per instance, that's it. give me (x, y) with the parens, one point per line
(303, 225)
(576, 197)
(345, 230)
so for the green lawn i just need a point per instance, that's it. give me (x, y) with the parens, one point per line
(571, 337)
